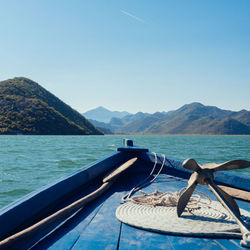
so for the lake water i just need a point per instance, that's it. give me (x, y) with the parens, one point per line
(30, 162)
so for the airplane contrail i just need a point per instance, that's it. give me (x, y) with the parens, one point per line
(132, 16)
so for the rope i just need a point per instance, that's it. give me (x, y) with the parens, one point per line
(145, 182)
(158, 198)
(170, 199)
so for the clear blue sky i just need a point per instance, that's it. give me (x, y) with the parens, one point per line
(133, 55)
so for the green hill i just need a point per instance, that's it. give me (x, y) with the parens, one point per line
(28, 108)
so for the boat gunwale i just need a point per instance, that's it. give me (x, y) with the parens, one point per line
(29, 206)
(225, 178)
(91, 171)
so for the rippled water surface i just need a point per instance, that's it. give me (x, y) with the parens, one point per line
(30, 162)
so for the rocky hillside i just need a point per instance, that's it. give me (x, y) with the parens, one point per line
(28, 108)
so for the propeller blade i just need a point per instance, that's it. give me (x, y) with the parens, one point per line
(191, 164)
(235, 164)
(184, 198)
(231, 201)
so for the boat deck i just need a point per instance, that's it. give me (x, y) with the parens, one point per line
(96, 226)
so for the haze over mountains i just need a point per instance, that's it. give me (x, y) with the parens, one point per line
(194, 118)
(102, 114)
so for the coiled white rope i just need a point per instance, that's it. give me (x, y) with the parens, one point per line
(158, 198)
(170, 199)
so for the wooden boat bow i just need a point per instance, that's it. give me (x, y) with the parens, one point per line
(68, 210)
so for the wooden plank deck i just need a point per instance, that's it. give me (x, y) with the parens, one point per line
(96, 227)
(132, 238)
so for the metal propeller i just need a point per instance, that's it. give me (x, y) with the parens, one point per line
(204, 175)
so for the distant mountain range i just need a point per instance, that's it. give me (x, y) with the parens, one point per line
(102, 114)
(194, 118)
(28, 108)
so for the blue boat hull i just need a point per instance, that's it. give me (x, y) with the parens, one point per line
(95, 226)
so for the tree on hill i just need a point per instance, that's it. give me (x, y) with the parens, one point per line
(28, 108)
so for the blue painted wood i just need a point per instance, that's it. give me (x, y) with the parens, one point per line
(132, 238)
(107, 205)
(95, 226)
(21, 213)
(103, 231)
(193, 243)
(223, 177)
(132, 149)
(229, 244)
(70, 225)
(66, 236)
